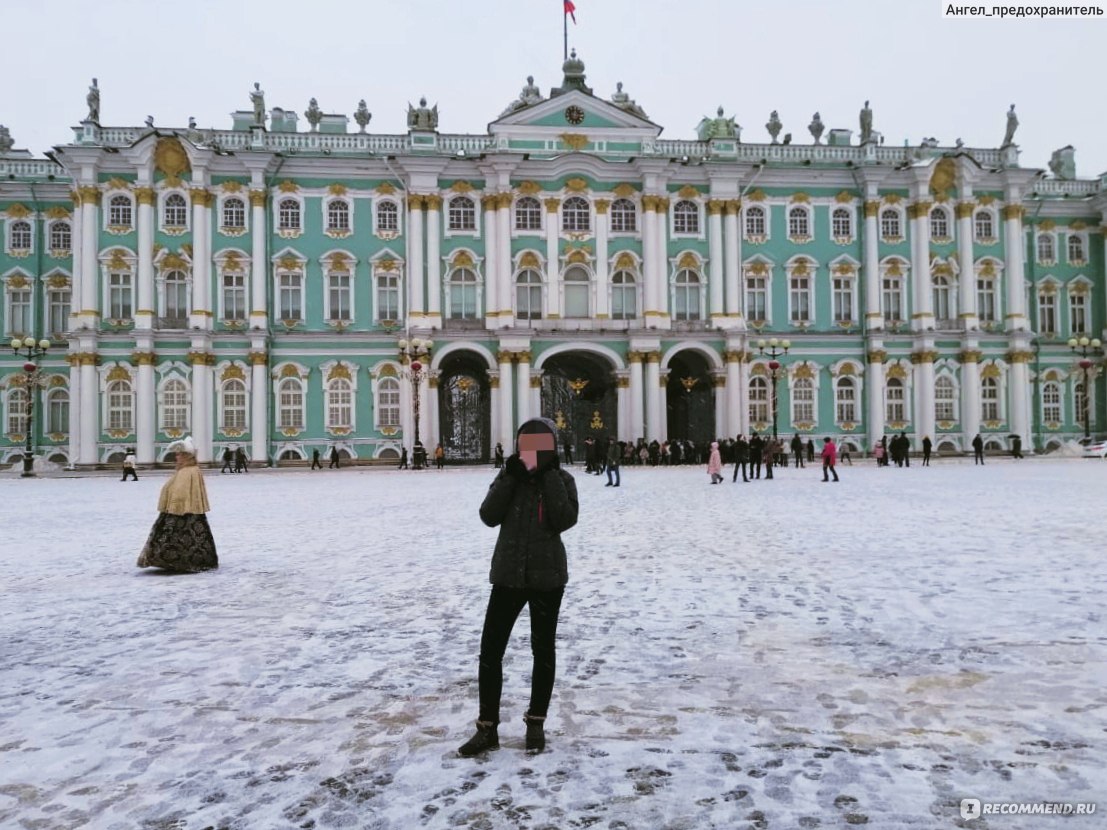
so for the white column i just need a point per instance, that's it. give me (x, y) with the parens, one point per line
(73, 359)
(434, 261)
(1018, 383)
(259, 405)
(90, 268)
(507, 399)
(967, 278)
(637, 425)
(146, 307)
(90, 409)
(732, 250)
(922, 317)
(1014, 245)
(201, 405)
(524, 394)
(201, 264)
(874, 317)
(622, 396)
(259, 278)
(145, 405)
(491, 263)
(535, 394)
(494, 419)
(715, 287)
(663, 409)
(407, 411)
(733, 424)
(415, 308)
(653, 396)
(743, 396)
(75, 285)
(426, 434)
(924, 395)
(970, 396)
(503, 259)
(874, 382)
(662, 241)
(722, 427)
(650, 266)
(603, 295)
(553, 262)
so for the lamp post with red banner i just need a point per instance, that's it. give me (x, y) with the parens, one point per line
(32, 350)
(1085, 346)
(412, 353)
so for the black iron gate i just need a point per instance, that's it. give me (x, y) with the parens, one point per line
(465, 407)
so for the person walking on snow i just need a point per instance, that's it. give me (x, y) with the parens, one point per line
(129, 466)
(797, 449)
(978, 450)
(830, 458)
(741, 456)
(613, 460)
(715, 463)
(315, 462)
(928, 445)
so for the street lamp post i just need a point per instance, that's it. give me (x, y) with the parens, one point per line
(413, 352)
(775, 348)
(1083, 347)
(28, 348)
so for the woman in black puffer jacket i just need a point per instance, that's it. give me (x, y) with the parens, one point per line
(532, 501)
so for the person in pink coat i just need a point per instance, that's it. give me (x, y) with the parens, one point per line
(715, 464)
(830, 458)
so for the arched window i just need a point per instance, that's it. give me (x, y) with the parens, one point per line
(755, 221)
(462, 214)
(528, 214)
(234, 214)
(174, 405)
(234, 405)
(939, 223)
(989, 399)
(845, 401)
(624, 216)
(1076, 249)
(984, 226)
(624, 296)
(340, 404)
(463, 294)
(759, 400)
(841, 223)
(895, 411)
(686, 217)
(799, 223)
(1078, 310)
(290, 403)
(686, 300)
(288, 215)
(1046, 252)
(803, 401)
(57, 412)
(175, 211)
(388, 217)
(1047, 310)
(528, 295)
(61, 236)
(1051, 402)
(21, 236)
(176, 296)
(17, 410)
(338, 215)
(120, 212)
(945, 399)
(120, 405)
(575, 215)
(578, 292)
(388, 403)
(890, 224)
(943, 309)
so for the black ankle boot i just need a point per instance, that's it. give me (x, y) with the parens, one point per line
(536, 733)
(487, 737)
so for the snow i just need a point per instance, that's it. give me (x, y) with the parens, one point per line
(779, 654)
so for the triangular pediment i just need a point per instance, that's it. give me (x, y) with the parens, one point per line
(575, 112)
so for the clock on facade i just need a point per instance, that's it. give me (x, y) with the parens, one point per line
(574, 114)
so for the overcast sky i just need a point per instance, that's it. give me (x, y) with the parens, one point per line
(679, 59)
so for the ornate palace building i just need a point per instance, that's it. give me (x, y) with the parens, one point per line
(252, 286)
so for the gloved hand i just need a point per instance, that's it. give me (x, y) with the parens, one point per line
(551, 463)
(515, 467)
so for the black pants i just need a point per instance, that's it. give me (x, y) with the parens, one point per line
(978, 457)
(799, 459)
(926, 459)
(129, 471)
(504, 606)
(828, 466)
(755, 468)
(740, 465)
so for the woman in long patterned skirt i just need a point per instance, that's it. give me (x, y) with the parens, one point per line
(181, 539)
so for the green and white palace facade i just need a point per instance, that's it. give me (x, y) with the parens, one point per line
(251, 286)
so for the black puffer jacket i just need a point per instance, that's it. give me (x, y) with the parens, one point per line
(531, 511)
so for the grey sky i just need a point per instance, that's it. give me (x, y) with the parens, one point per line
(679, 59)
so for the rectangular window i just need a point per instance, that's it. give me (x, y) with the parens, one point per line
(756, 299)
(57, 413)
(843, 300)
(234, 406)
(234, 296)
(1047, 314)
(986, 300)
(19, 311)
(120, 293)
(845, 408)
(339, 290)
(58, 321)
(803, 402)
(800, 300)
(892, 300)
(1078, 313)
(389, 412)
(388, 297)
(894, 402)
(291, 307)
(1051, 403)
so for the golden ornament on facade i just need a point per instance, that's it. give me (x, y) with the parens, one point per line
(895, 268)
(116, 261)
(258, 198)
(634, 357)
(756, 195)
(576, 185)
(577, 257)
(990, 371)
(535, 381)
(803, 371)
(578, 385)
(574, 141)
(233, 372)
(1076, 224)
(144, 358)
(118, 373)
(877, 355)
(715, 207)
(843, 197)
(461, 186)
(58, 281)
(985, 200)
(462, 260)
(944, 177)
(503, 200)
(1013, 211)
(57, 212)
(18, 282)
(529, 188)
(339, 370)
(89, 194)
(688, 192)
(688, 260)
(649, 203)
(800, 268)
(897, 371)
(844, 269)
(801, 197)
(892, 198)
(625, 262)
(385, 189)
(1019, 356)
(625, 190)
(601, 206)
(170, 158)
(872, 209)
(552, 205)
(970, 356)
(987, 269)
(758, 370)
(18, 211)
(758, 269)
(733, 206)
(337, 189)
(288, 186)
(964, 210)
(415, 201)
(433, 201)
(116, 183)
(289, 263)
(529, 259)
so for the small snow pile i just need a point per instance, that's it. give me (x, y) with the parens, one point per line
(41, 466)
(1069, 449)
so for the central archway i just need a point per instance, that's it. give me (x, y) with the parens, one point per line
(690, 399)
(578, 394)
(464, 406)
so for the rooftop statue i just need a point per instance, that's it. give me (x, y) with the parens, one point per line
(93, 101)
(422, 118)
(531, 94)
(866, 124)
(149, 122)
(257, 98)
(774, 126)
(718, 127)
(362, 115)
(6, 142)
(816, 127)
(313, 114)
(1012, 125)
(624, 101)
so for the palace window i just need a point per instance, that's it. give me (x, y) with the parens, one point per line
(578, 292)
(943, 308)
(891, 298)
(340, 404)
(174, 405)
(842, 299)
(1076, 249)
(388, 403)
(19, 236)
(799, 299)
(755, 221)
(575, 215)
(759, 400)
(59, 304)
(233, 405)
(989, 399)
(686, 217)
(234, 295)
(120, 295)
(1047, 313)
(19, 311)
(890, 225)
(234, 214)
(624, 216)
(57, 411)
(388, 217)
(939, 223)
(290, 295)
(803, 401)
(120, 401)
(1078, 312)
(120, 212)
(1079, 403)
(894, 401)
(841, 223)
(61, 236)
(986, 299)
(288, 215)
(528, 295)
(624, 296)
(845, 401)
(338, 215)
(1051, 402)
(17, 410)
(290, 404)
(1046, 252)
(799, 224)
(528, 214)
(462, 214)
(176, 297)
(984, 226)
(687, 294)
(388, 297)
(463, 294)
(945, 399)
(338, 296)
(757, 296)
(175, 211)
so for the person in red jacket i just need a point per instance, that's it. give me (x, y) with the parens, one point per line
(830, 458)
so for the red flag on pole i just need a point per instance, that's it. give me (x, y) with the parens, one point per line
(570, 9)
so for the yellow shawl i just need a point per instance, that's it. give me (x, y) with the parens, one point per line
(184, 493)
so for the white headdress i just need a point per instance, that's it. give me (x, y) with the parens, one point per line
(186, 444)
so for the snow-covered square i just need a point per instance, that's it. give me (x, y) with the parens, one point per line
(784, 654)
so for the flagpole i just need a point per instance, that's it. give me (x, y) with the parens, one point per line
(565, 32)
